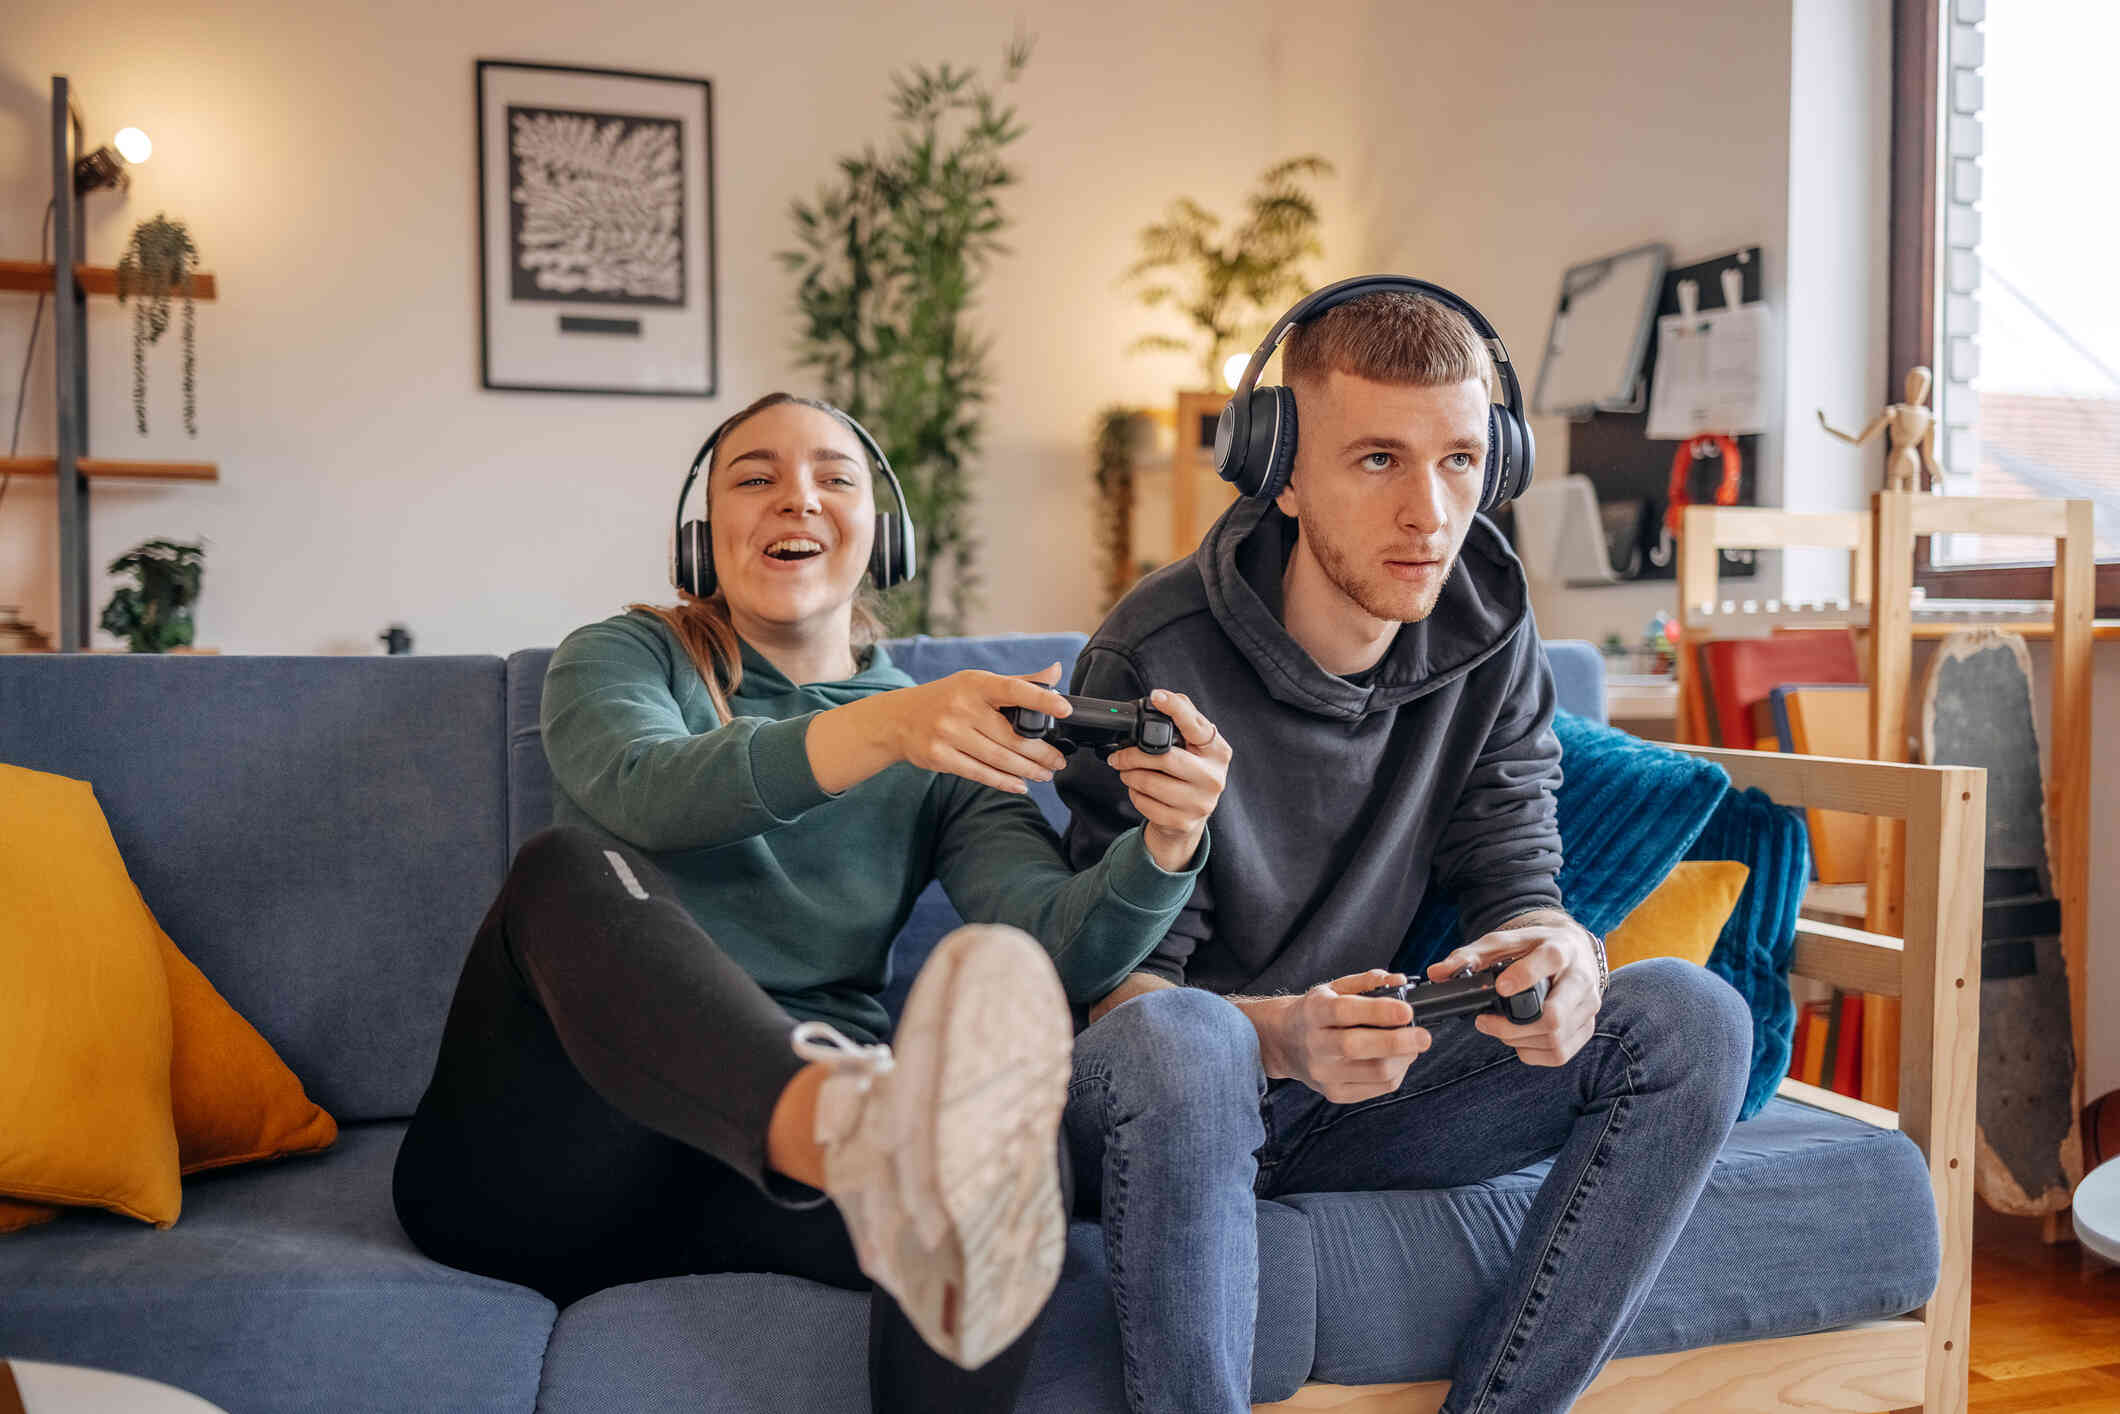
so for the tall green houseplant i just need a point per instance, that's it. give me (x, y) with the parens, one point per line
(891, 252)
(1227, 285)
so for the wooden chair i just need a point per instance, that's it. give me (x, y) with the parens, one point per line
(1909, 1362)
(1900, 518)
(1709, 530)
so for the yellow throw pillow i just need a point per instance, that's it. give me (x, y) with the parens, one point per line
(16, 1216)
(1683, 917)
(232, 1097)
(84, 1012)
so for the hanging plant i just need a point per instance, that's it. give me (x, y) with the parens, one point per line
(157, 266)
(1230, 286)
(154, 613)
(1120, 433)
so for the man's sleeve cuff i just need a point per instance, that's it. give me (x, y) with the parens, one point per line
(780, 768)
(1482, 911)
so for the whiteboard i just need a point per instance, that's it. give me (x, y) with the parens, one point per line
(1600, 333)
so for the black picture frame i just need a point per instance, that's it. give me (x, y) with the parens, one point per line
(629, 305)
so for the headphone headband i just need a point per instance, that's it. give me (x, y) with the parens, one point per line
(1331, 297)
(877, 459)
(891, 558)
(1255, 439)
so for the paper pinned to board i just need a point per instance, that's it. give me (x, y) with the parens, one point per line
(1711, 373)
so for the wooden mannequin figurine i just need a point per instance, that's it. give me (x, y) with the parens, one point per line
(1911, 440)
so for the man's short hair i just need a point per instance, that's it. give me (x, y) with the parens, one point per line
(1392, 336)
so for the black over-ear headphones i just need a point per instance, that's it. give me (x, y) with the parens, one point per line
(1255, 442)
(893, 558)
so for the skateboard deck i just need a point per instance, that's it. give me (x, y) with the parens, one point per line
(1976, 710)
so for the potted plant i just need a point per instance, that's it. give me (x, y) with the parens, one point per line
(1230, 286)
(890, 256)
(157, 266)
(154, 613)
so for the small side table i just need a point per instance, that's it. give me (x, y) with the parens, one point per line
(34, 1387)
(2096, 1210)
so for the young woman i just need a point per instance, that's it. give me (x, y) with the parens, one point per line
(667, 1050)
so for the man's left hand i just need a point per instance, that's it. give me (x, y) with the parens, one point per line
(1546, 944)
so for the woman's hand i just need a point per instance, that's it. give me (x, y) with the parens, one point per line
(1176, 791)
(954, 724)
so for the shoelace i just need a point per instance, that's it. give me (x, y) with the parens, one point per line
(819, 1041)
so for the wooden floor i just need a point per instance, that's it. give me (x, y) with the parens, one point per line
(2046, 1323)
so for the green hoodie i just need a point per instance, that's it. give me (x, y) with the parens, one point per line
(803, 888)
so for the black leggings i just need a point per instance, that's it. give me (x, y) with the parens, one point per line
(599, 1110)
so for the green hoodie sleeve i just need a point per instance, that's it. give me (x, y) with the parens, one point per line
(620, 747)
(1000, 862)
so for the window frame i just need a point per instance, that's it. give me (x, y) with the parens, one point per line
(1916, 249)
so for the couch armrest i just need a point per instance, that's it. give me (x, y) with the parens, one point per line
(1935, 972)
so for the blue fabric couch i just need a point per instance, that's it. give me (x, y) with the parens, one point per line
(322, 836)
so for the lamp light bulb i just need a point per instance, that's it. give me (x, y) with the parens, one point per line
(1233, 368)
(133, 145)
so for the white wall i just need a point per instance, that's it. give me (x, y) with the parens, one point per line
(323, 157)
(1839, 260)
(1515, 149)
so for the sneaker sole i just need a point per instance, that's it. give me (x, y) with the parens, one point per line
(1000, 1077)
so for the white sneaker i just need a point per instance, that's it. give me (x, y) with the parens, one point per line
(944, 1158)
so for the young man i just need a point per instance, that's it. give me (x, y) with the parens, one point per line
(1365, 641)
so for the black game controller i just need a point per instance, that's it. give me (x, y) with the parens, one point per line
(1107, 726)
(1464, 995)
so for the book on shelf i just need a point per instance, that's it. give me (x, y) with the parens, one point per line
(1738, 674)
(1828, 719)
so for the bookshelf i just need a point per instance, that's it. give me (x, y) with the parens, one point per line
(70, 280)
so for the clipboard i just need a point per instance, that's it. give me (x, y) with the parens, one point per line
(1632, 472)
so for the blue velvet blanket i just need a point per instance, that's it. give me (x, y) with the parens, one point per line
(1628, 810)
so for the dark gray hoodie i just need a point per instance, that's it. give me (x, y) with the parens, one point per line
(1348, 799)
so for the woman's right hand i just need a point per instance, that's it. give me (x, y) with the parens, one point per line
(955, 724)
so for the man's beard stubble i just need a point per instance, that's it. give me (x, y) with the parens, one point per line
(1389, 601)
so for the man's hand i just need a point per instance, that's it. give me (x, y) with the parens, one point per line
(1546, 944)
(1335, 1040)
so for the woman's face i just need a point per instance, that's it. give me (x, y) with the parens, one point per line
(792, 513)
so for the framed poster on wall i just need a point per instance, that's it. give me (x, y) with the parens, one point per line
(596, 231)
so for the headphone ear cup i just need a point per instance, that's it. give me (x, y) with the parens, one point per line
(1249, 435)
(694, 568)
(891, 555)
(1509, 453)
(906, 556)
(883, 551)
(1279, 458)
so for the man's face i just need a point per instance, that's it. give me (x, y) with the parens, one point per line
(1386, 479)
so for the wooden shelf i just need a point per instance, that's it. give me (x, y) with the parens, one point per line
(99, 468)
(35, 277)
(2102, 630)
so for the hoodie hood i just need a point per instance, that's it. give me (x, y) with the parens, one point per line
(1484, 601)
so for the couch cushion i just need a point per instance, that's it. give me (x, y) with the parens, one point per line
(1809, 1221)
(304, 828)
(764, 1344)
(1578, 677)
(285, 1288)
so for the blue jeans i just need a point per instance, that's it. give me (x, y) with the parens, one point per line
(1170, 1122)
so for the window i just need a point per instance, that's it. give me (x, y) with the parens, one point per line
(2003, 279)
